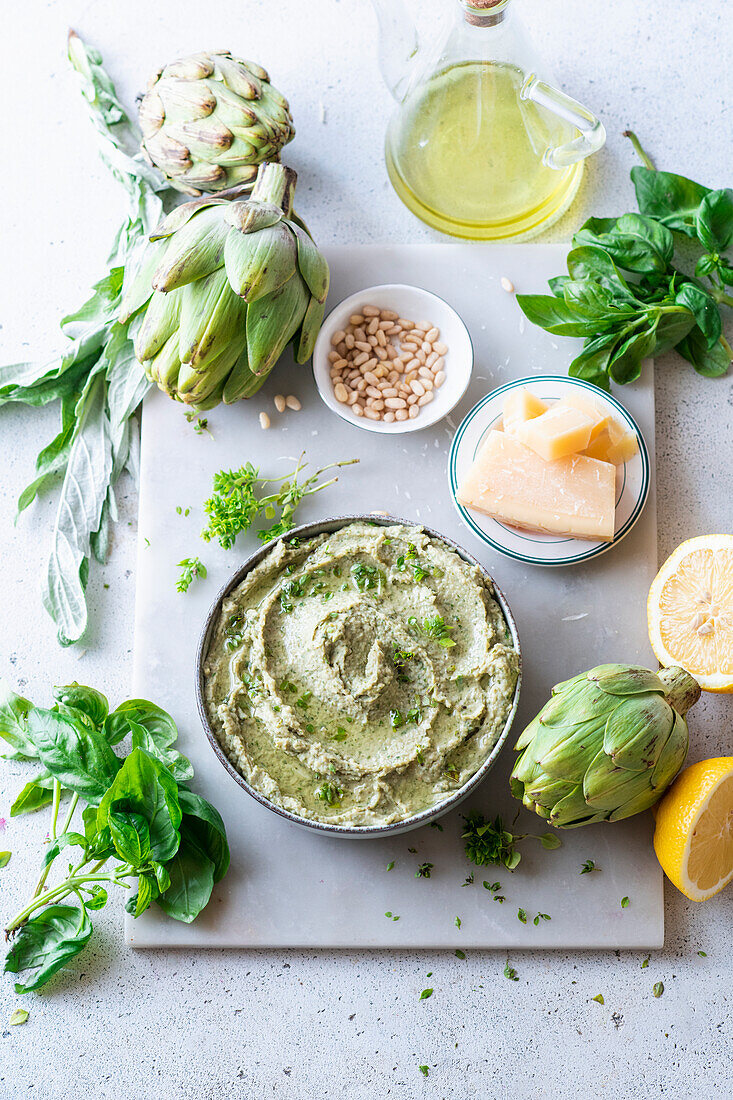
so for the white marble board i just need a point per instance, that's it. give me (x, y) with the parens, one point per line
(286, 887)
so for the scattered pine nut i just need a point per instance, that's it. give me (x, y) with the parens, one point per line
(264, 421)
(293, 403)
(507, 284)
(280, 403)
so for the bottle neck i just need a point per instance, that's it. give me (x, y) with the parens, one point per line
(484, 13)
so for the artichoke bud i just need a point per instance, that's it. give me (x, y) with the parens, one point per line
(247, 122)
(606, 745)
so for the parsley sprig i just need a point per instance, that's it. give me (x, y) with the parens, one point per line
(238, 500)
(190, 569)
(489, 842)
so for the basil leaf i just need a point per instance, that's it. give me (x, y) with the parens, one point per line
(98, 900)
(144, 785)
(625, 363)
(671, 327)
(711, 362)
(204, 823)
(130, 835)
(47, 942)
(36, 794)
(192, 880)
(13, 723)
(706, 265)
(555, 316)
(147, 890)
(85, 699)
(178, 765)
(704, 310)
(635, 243)
(673, 200)
(594, 263)
(156, 721)
(592, 363)
(715, 220)
(78, 756)
(66, 840)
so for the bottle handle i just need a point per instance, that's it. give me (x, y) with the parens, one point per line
(592, 135)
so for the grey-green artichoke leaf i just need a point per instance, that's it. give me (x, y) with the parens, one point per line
(637, 731)
(195, 386)
(212, 316)
(528, 734)
(309, 330)
(194, 252)
(162, 318)
(559, 689)
(573, 810)
(606, 786)
(240, 381)
(626, 679)
(311, 264)
(164, 367)
(673, 755)
(140, 288)
(183, 213)
(569, 750)
(258, 264)
(272, 322)
(584, 701)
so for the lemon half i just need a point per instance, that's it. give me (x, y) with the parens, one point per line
(690, 611)
(693, 838)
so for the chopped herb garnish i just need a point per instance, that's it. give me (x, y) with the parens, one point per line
(339, 735)
(658, 989)
(457, 922)
(397, 719)
(459, 954)
(425, 994)
(599, 997)
(703, 954)
(330, 793)
(18, 1016)
(541, 916)
(424, 1070)
(424, 870)
(493, 886)
(365, 577)
(413, 850)
(489, 842)
(645, 963)
(587, 867)
(522, 916)
(190, 568)
(624, 903)
(510, 972)
(421, 760)
(435, 824)
(390, 865)
(468, 880)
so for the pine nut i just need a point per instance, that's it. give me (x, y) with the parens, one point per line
(381, 354)
(360, 385)
(439, 379)
(428, 383)
(432, 335)
(421, 357)
(370, 378)
(341, 364)
(340, 393)
(393, 330)
(400, 414)
(425, 399)
(359, 334)
(440, 348)
(357, 409)
(405, 324)
(370, 414)
(409, 345)
(380, 371)
(422, 326)
(280, 403)
(363, 345)
(393, 375)
(370, 364)
(384, 325)
(333, 356)
(293, 403)
(349, 339)
(264, 421)
(372, 341)
(373, 391)
(381, 338)
(439, 364)
(414, 411)
(338, 337)
(388, 315)
(395, 402)
(352, 398)
(412, 399)
(370, 311)
(391, 351)
(342, 349)
(356, 319)
(372, 326)
(361, 358)
(417, 387)
(425, 372)
(378, 405)
(426, 347)
(507, 284)
(389, 392)
(432, 358)
(389, 418)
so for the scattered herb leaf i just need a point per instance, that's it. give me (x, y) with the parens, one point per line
(658, 989)
(190, 569)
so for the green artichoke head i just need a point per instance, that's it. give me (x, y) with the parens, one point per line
(210, 119)
(606, 746)
(226, 283)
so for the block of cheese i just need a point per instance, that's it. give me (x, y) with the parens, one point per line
(557, 432)
(585, 403)
(519, 405)
(616, 444)
(572, 496)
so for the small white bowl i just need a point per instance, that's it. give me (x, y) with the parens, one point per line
(418, 305)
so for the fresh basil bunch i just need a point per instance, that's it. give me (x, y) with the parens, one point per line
(623, 293)
(141, 825)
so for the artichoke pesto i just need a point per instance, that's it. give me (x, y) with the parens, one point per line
(360, 677)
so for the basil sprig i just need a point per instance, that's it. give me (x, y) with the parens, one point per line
(141, 825)
(624, 295)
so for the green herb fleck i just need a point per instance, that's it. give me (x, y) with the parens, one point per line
(339, 735)
(190, 568)
(425, 994)
(5, 858)
(624, 903)
(390, 865)
(588, 866)
(541, 916)
(521, 916)
(599, 997)
(18, 1016)
(459, 954)
(330, 793)
(435, 824)
(510, 972)
(658, 989)
(468, 880)
(703, 954)
(424, 870)
(458, 922)
(645, 963)
(424, 1070)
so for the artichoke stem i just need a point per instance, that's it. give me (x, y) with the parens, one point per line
(275, 184)
(683, 691)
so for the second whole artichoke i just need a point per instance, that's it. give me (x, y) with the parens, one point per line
(225, 285)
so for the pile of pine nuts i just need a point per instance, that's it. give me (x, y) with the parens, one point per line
(386, 367)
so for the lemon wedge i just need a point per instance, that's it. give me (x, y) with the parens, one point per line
(690, 611)
(693, 838)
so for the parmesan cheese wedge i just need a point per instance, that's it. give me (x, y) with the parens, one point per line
(615, 444)
(586, 404)
(572, 496)
(520, 405)
(560, 431)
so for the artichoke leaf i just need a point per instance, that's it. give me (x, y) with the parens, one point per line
(568, 751)
(566, 684)
(309, 330)
(672, 756)
(581, 703)
(140, 287)
(573, 810)
(643, 800)
(626, 679)
(183, 213)
(272, 322)
(250, 217)
(193, 253)
(162, 318)
(239, 380)
(163, 368)
(311, 263)
(258, 264)
(196, 384)
(527, 734)
(607, 786)
(211, 317)
(548, 792)
(637, 731)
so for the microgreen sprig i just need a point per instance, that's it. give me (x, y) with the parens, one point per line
(489, 842)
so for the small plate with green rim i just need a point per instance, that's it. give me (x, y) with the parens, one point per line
(534, 547)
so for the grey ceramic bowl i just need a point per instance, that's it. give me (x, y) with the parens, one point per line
(352, 832)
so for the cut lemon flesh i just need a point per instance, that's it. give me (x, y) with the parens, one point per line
(693, 838)
(690, 611)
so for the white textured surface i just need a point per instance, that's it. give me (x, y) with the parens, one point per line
(324, 876)
(295, 1025)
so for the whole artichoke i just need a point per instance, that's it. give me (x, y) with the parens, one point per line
(208, 120)
(226, 284)
(606, 746)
